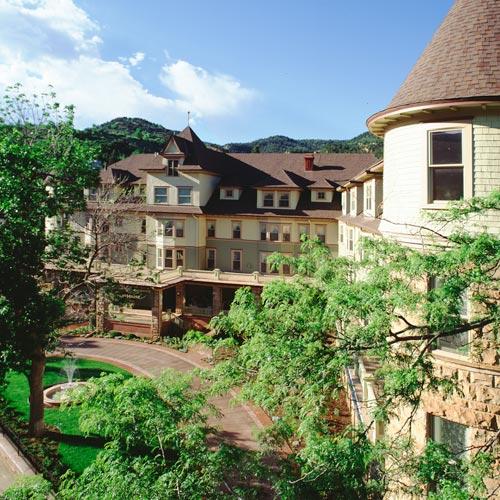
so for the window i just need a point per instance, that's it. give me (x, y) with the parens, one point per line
(160, 194)
(268, 200)
(184, 195)
(286, 269)
(286, 232)
(229, 193)
(263, 231)
(368, 196)
(143, 226)
(284, 200)
(320, 231)
(236, 257)
(459, 342)
(168, 228)
(345, 202)
(142, 190)
(321, 195)
(169, 258)
(159, 257)
(350, 241)
(274, 232)
(171, 228)
(173, 168)
(353, 202)
(303, 230)
(211, 229)
(179, 228)
(446, 168)
(265, 267)
(211, 258)
(236, 230)
(179, 257)
(341, 233)
(92, 194)
(451, 434)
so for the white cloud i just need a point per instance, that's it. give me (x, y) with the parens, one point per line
(136, 58)
(55, 42)
(206, 93)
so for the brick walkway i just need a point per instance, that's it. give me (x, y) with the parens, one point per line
(237, 423)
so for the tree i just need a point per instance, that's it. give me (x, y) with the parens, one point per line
(159, 443)
(43, 172)
(110, 230)
(291, 351)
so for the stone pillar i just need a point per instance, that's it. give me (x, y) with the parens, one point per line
(179, 298)
(157, 312)
(216, 300)
(101, 312)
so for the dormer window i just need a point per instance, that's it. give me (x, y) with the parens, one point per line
(446, 166)
(184, 196)
(229, 193)
(268, 200)
(160, 194)
(284, 200)
(173, 168)
(321, 195)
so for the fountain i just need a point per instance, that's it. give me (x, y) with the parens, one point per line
(57, 394)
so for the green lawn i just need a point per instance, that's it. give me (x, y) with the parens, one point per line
(75, 455)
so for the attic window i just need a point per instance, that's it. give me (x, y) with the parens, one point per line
(229, 193)
(268, 200)
(321, 195)
(284, 201)
(173, 168)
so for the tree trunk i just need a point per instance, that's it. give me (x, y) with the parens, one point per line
(36, 423)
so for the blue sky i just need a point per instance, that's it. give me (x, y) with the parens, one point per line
(306, 69)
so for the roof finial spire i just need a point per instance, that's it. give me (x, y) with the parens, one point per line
(189, 116)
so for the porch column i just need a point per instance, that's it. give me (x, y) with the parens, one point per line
(157, 312)
(179, 298)
(101, 312)
(216, 300)
(256, 290)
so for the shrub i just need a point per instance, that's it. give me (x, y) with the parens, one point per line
(28, 488)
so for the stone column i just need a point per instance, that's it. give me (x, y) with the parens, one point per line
(101, 312)
(157, 312)
(216, 300)
(179, 298)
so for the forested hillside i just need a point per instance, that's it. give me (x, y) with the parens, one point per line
(122, 137)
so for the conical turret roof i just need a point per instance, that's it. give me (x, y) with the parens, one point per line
(462, 61)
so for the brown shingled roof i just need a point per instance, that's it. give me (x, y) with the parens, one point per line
(462, 61)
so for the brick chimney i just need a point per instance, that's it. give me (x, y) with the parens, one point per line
(309, 162)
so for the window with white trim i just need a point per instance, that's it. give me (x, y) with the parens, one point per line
(236, 226)
(457, 343)
(446, 165)
(229, 193)
(368, 196)
(211, 258)
(350, 239)
(320, 231)
(160, 194)
(184, 195)
(171, 228)
(352, 196)
(341, 233)
(270, 231)
(236, 260)
(284, 200)
(451, 434)
(303, 230)
(210, 229)
(268, 200)
(321, 195)
(159, 257)
(172, 168)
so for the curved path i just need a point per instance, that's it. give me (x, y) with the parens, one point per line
(237, 423)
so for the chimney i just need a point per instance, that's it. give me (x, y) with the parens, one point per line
(309, 162)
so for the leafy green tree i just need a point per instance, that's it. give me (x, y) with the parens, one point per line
(160, 445)
(28, 488)
(290, 351)
(43, 171)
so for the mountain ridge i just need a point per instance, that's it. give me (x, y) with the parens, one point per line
(123, 136)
